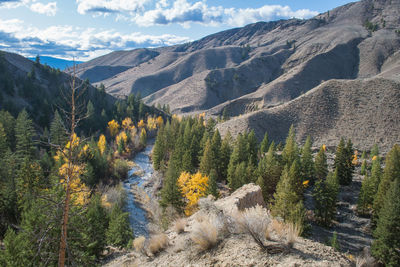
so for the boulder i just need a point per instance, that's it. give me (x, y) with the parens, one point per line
(247, 196)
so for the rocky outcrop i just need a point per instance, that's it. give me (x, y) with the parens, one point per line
(246, 196)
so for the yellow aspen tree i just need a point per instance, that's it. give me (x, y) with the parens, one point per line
(102, 143)
(127, 123)
(192, 187)
(113, 127)
(151, 123)
(141, 124)
(159, 121)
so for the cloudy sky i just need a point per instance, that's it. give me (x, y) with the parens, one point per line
(85, 29)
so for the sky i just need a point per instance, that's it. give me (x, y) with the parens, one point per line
(85, 29)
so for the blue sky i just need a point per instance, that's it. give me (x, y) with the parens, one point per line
(85, 29)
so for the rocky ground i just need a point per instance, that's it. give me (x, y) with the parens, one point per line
(234, 247)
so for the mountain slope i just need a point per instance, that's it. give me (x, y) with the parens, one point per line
(364, 110)
(261, 64)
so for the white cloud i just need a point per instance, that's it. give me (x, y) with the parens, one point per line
(49, 9)
(186, 12)
(110, 6)
(68, 41)
(241, 17)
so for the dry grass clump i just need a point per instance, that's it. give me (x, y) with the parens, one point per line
(365, 259)
(179, 225)
(278, 227)
(158, 243)
(292, 234)
(255, 221)
(205, 234)
(138, 243)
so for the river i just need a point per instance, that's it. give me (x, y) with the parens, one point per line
(137, 216)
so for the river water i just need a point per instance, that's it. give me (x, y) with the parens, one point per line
(137, 216)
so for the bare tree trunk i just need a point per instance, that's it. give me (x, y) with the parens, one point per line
(70, 174)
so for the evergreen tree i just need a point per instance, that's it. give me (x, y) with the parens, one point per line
(375, 151)
(225, 114)
(269, 171)
(252, 147)
(216, 150)
(3, 141)
(386, 245)
(364, 167)
(288, 203)
(207, 162)
(321, 166)
(391, 172)
(212, 184)
(119, 232)
(8, 122)
(58, 134)
(24, 133)
(170, 194)
(143, 137)
(307, 163)
(325, 196)
(343, 162)
(225, 155)
(369, 188)
(290, 152)
(159, 149)
(264, 146)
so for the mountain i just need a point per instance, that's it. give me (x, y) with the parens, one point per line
(56, 63)
(270, 66)
(41, 89)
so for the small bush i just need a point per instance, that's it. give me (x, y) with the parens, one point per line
(205, 234)
(179, 225)
(334, 242)
(120, 169)
(138, 243)
(158, 243)
(255, 221)
(292, 234)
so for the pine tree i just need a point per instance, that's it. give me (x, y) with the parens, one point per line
(264, 146)
(225, 155)
(24, 133)
(170, 193)
(307, 163)
(3, 141)
(216, 150)
(343, 162)
(369, 188)
(119, 232)
(58, 134)
(386, 245)
(290, 152)
(321, 166)
(208, 159)
(143, 137)
(8, 122)
(212, 183)
(225, 114)
(252, 147)
(269, 172)
(391, 172)
(159, 148)
(288, 203)
(325, 196)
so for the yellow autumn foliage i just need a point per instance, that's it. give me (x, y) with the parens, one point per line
(127, 123)
(355, 158)
(151, 123)
(113, 127)
(121, 136)
(192, 187)
(159, 121)
(102, 143)
(141, 124)
(324, 147)
(374, 157)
